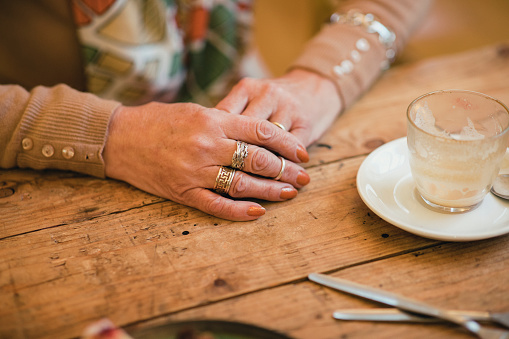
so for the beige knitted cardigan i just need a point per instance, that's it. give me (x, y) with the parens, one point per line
(46, 121)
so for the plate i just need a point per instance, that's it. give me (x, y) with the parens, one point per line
(386, 186)
(216, 329)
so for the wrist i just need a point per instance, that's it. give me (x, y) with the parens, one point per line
(319, 86)
(113, 146)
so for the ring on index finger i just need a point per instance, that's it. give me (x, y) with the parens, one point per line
(283, 165)
(240, 155)
(279, 125)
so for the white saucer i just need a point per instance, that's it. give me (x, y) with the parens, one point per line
(385, 184)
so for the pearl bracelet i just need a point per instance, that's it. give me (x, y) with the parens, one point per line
(371, 25)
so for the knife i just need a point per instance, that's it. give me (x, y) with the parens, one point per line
(404, 303)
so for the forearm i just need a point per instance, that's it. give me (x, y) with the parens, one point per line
(336, 54)
(57, 128)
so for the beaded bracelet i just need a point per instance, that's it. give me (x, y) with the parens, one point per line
(371, 25)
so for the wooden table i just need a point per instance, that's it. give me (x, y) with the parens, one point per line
(74, 249)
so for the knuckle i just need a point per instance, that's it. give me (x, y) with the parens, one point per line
(293, 103)
(219, 206)
(239, 186)
(271, 88)
(273, 192)
(199, 141)
(200, 145)
(266, 88)
(270, 192)
(260, 160)
(200, 115)
(245, 82)
(264, 130)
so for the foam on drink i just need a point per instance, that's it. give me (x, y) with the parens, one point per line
(425, 120)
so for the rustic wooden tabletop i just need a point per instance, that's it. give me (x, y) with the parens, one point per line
(74, 249)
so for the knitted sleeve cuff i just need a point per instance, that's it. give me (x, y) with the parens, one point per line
(64, 129)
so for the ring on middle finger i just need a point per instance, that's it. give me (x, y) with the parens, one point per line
(240, 155)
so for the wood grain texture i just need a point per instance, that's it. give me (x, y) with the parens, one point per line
(74, 249)
(147, 261)
(453, 275)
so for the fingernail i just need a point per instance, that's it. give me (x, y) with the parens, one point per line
(303, 178)
(255, 211)
(302, 154)
(288, 193)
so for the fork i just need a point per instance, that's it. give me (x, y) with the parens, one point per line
(393, 314)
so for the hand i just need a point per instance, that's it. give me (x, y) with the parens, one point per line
(304, 102)
(175, 151)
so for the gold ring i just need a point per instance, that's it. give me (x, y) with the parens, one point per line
(224, 180)
(283, 165)
(240, 155)
(279, 125)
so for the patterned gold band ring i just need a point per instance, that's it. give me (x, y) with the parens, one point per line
(240, 155)
(279, 125)
(283, 165)
(224, 180)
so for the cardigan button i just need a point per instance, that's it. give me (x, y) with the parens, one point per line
(48, 151)
(68, 152)
(27, 144)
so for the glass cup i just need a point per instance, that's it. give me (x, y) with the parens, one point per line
(457, 140)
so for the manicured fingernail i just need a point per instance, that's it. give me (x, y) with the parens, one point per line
(255, 211)
(288, 193)
(302, 154)
(303, 178)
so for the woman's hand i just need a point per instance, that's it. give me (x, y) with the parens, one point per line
(175, 151)
(304, 102)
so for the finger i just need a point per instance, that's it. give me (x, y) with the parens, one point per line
(264, 133)
(236, 101)
(247, 186)
(222, 207)
(263, 109)
(261, 106)
(251, 97)
(239, 184)
(264, 163)
(302, 133)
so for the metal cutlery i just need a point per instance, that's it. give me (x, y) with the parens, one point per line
(393, 314)
(407, 304)
(501, 186)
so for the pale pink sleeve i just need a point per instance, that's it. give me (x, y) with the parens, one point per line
(53, 128)
(336, 42)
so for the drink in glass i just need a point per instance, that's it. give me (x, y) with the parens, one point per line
(457, 140)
